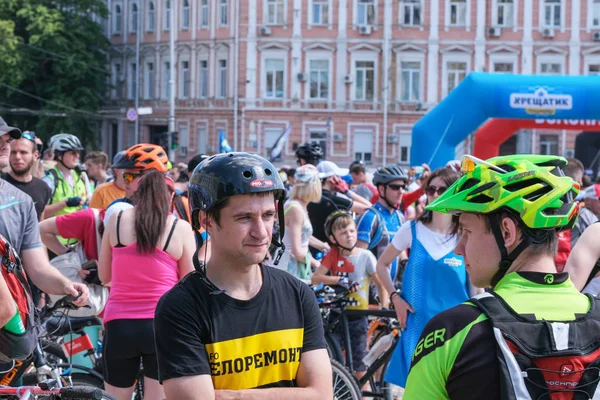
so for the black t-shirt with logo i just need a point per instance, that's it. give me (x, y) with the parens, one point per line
(37, 189)
(241, 344)
(318, 212)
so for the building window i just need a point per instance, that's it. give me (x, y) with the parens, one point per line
(132, 84)
(404, 154)
(552, 11)
(594, 69)
(319, 136)
(550, 68)
(202, 139)
(133, 25)
(149, 90)
(274, 70)
(185, 77)
(203, 13)
(595, 13)
(203, 79)
(410, 81)
(505, 10)
(549, 144)
(151, 17)
(116, 81)
(223, 17)
(167, 20)
(183, 140)
(504, 67)
(411, 12)
(117, 21)
(166, 78)
(458, 12)
(365, 12)
(319, 79)
(365, 80)
(185, 15)
(222, 78)
(275, 12)
(320, 12)
(363, 146)
(456, 73)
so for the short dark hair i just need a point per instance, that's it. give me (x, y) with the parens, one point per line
(546, 242)
(573, 166)
(357, 169)
(215, 212)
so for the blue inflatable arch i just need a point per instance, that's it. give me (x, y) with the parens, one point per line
(482, 95)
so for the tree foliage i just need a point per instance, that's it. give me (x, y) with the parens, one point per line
(55, 50)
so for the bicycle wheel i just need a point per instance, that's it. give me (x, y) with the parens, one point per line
(81, 379)
(345, 386)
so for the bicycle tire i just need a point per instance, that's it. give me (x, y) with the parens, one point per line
(55, 351)
(81, 379)
(334, 349)
(345, 386)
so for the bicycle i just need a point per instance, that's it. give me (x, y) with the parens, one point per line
(49, 391)
(60, 326)
(334, 312)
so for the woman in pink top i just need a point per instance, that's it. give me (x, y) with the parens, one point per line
(145, 252)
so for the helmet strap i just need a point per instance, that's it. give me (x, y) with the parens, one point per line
(336, 244)
(200, 267)
(279, 243)
(390, 205)
(506, 258)
(59, 159)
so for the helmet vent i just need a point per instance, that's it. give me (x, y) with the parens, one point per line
(507, 167)
(483, 188)
(481, 199)
(538, 193)
(469, 184)
(268, 172)
(513, 187)
(247, 174)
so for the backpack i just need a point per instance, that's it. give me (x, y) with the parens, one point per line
(17, 346)
(542, 359)
(69, 264)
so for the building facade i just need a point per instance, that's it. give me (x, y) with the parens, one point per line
(353, 75)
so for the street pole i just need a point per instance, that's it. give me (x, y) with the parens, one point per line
(137, 73)
(172, 82)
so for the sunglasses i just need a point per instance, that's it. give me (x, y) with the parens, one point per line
(432, 190)
(394, 186)
(28, 136)
(130, 176)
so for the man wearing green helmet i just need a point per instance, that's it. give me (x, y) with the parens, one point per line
(534, 336)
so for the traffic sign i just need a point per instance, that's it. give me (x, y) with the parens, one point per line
(131, 115)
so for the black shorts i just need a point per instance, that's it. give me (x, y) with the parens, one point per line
(126, 342)
(358, 329)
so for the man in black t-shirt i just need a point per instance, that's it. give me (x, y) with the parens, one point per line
(237, 328)
(22, 157)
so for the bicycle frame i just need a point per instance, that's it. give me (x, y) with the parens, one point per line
(381, 361)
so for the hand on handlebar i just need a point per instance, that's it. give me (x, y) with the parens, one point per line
(78, 290)
(349, 285)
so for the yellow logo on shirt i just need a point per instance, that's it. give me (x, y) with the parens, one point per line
(256, 360)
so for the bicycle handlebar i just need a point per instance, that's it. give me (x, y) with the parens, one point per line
(84, 392)
(65, 302)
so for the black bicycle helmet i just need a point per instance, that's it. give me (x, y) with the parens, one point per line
(389, 173)
(225, 175)
(331, 218)
(309, 152)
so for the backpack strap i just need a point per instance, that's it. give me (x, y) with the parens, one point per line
(170, 234)
(97, 226)
(378, 235)
(118, 225)
(54, 175)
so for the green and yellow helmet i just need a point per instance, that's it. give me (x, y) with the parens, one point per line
(532, 186)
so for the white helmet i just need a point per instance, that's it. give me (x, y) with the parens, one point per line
(65, 142)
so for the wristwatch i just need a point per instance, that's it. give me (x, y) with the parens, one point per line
(394, 293)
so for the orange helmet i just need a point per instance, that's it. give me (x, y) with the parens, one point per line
(144, 156)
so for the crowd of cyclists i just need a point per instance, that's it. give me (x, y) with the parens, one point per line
(203, 273)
